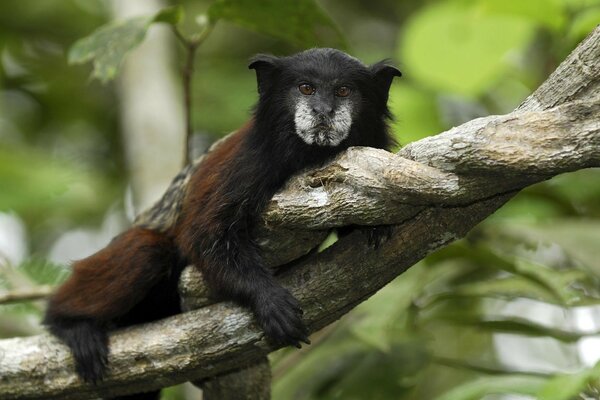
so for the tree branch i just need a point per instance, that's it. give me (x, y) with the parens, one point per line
(437, 189)
(28, 294)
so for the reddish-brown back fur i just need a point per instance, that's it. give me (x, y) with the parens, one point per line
(202, 199)
(110, 282)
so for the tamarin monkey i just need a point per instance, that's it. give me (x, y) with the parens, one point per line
(312, 105)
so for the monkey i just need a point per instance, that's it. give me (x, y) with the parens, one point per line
(311, 106)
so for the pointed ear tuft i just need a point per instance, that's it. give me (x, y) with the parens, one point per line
(265, 66)
(260, 61)
(384, 74)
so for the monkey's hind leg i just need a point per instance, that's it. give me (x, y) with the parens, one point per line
(103, 288)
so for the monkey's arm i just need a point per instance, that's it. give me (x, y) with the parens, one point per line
(214, 232)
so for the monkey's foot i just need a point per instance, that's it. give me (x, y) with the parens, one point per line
(280, 316)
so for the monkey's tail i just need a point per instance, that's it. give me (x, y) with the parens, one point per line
(102, 292)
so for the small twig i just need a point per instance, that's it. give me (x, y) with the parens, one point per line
(36, 293)
(190, 45)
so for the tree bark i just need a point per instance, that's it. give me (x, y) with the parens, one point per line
(435, 190)
(248, 383)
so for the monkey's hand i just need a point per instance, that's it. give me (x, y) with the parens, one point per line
(280, 316)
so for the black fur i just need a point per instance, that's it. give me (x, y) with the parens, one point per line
(214, 229)
(272, 152)
(88, 341)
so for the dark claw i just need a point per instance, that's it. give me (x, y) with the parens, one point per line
(280, 317)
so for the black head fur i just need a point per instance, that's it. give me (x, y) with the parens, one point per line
(277, 125)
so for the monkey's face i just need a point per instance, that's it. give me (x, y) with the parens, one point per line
(323, 93)
(324, 110)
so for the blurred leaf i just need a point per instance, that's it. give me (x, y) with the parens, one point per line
(567, 387)
(44, 272)
(301, 22)
(108, 45)
(415, 113)
(520, 326)
(170, 15)
(177, 392)
(380, 322)
(344, 368)
(210, 86)
(555, 284)
(19, 320)
(576, 193)
(34, 185)
(510, 288)
(527, 208)
(584, 23)
(453, 47)
(553, 17)
(578, 237)
(477, 389)
(579, 4)
(379, 376)
(324, 363)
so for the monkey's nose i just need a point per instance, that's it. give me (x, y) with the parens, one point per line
(324, 110)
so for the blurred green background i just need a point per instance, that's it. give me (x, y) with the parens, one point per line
(510, 312)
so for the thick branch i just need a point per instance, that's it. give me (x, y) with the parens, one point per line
(479, 159)
(463, 170)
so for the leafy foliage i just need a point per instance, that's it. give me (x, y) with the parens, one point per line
(563, 387)
(437, 332)
(108, 45)
(301, 22)
(35, 184)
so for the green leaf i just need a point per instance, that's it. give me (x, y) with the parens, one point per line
(578, 237)
(566, 387)
(170, 15)
(555, 284)
(108, 45)
(512, 287)
(454, 47)
(301, 22)
(513, 325)
(476, 390)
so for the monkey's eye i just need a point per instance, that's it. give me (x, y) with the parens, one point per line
(343, 91)
(306, 89)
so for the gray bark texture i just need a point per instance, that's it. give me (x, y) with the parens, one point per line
(434, 191)
(251, 382)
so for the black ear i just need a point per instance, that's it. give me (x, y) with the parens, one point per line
(265, 66)
(384, 74)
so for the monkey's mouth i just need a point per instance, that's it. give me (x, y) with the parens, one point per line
(322, 134)
(323, 127)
